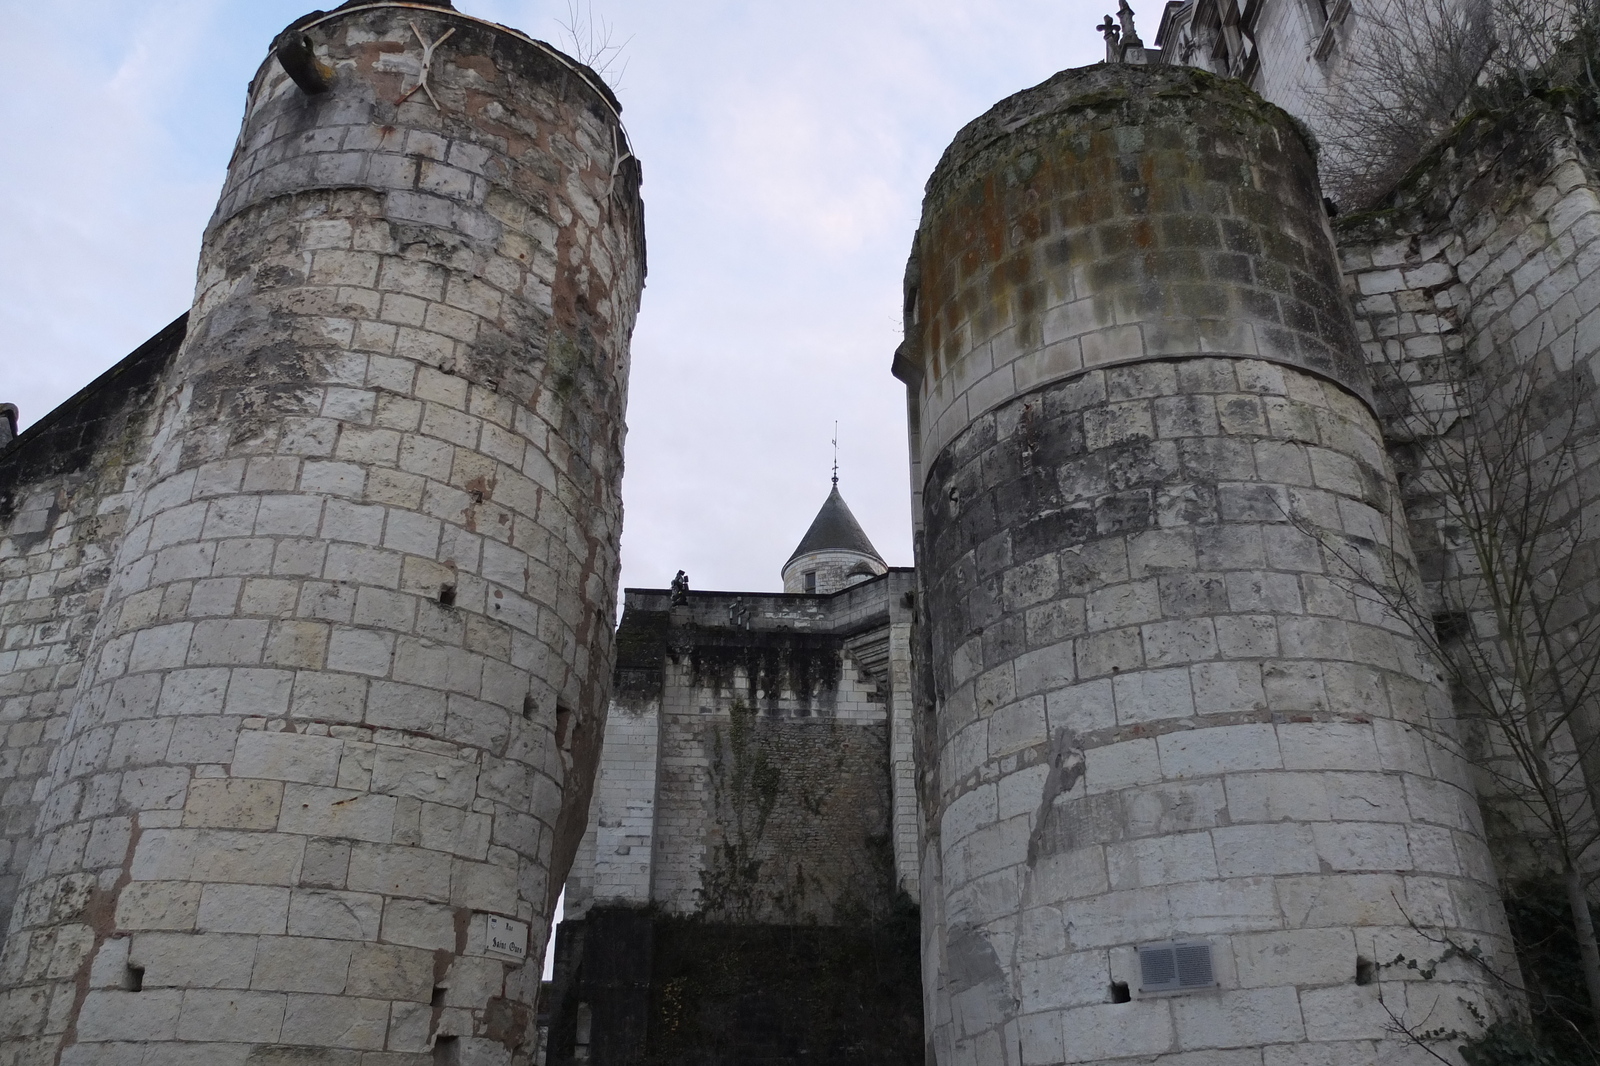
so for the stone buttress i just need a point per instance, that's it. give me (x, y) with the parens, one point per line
(1144, 444)
(330, 755)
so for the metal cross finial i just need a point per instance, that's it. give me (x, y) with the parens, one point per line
(427, 63)
(1108, 30)
(836, 455)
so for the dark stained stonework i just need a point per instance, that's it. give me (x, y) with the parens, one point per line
(684, 992)
(739, 896)
(1113, 214)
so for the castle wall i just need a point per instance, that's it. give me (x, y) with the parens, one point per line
(738, 892)
(1308, 54)
(63, 509)
(371, 564)
(1485, 267)
(782, 804)
(907, 822)
(724, 789)
(1162, 713)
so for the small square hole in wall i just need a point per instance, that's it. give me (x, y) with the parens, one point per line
(447, 1051)
(133, 980)
(1364, 970)
(1120, 993)
(447, 595)
(438, 996)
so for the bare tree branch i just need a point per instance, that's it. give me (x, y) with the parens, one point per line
(1511, 624)
(591, 42)
(1415, 68)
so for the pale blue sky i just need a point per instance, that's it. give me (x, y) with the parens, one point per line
(784, 146)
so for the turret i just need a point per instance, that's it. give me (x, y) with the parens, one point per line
(331, 751)
(835, 552)
(1187, 787)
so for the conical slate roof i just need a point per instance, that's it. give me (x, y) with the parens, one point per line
(835, 529)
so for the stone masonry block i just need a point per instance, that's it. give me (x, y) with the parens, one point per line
(403, 772)
(400, 871)
(238, 1016)
(298, 964)
(1153, 695)
(386, 971)
(293, 757)
(418, 924)
(233, 804)
(114, 1015)
(188, 960)
(1220, 749)
(1261, 850)
(329, 812)
(330, 915)
(243, 909)
(333, 1022)
(158, 905)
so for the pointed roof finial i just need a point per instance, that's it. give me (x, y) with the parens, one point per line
(835, 529)
(836, 454)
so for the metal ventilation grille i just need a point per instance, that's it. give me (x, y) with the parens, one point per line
(1174, 965)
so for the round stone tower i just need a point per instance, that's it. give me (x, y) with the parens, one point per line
(331, 753)
(834, 554)
(1194, 791)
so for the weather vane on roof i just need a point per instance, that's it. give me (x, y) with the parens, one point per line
(836, 454)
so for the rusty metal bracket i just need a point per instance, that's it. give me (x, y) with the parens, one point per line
(427, 64)
(294, 51)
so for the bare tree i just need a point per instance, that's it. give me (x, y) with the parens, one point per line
(1504, 457)
(592, 43)
(1413, 68)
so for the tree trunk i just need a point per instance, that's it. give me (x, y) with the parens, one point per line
(1587, 947)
